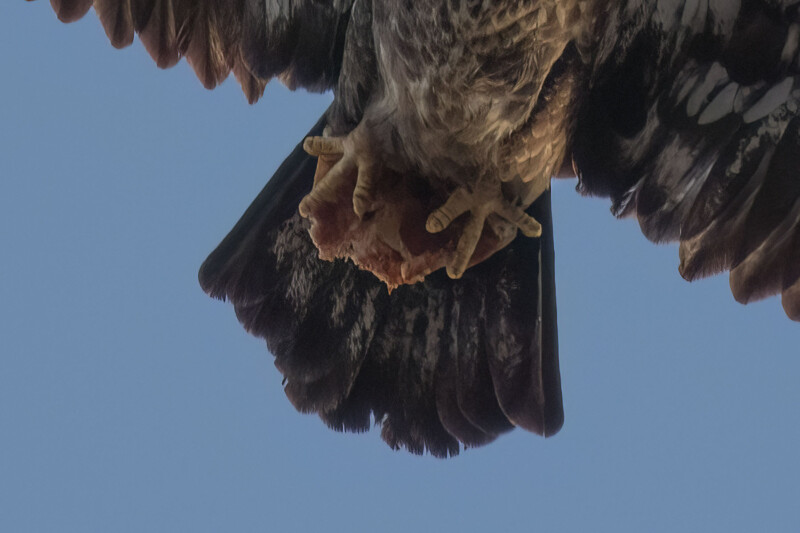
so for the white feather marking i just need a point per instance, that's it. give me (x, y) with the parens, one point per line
(724, 14)
(773, 98)
(792, 40)
(667, 13)
(743, 96)
(687, 87)
(689, 12)
(793, 104)
(716, 76)
(720, 106)
(732, 217)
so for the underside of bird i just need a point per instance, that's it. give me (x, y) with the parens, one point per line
(685, 113)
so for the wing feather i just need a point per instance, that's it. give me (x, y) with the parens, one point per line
(299, 41)
(117, 20)
(691, 126)
(70, 10)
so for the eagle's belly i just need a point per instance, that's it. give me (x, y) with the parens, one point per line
(462, 136)
(459, 83)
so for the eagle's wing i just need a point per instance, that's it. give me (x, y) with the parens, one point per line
(692, 126)
(299, 41)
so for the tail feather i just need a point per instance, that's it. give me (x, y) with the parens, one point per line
(437, 364)
(524, 365)
(239, 262)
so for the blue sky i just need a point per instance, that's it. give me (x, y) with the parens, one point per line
(130, 401)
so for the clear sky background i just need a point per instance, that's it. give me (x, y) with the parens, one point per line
(130, 401)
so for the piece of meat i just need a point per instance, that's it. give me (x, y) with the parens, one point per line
(391, 240)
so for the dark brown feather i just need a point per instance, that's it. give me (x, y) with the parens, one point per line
(252, 86)
(117, 20)
(200, 39)
(692, 124)
(301, 41)
(70, 10)
(791, 301)
(159, 33)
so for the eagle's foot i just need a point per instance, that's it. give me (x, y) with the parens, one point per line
(402, 227)
(341, 158)
(482, 203)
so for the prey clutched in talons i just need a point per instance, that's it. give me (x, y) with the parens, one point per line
(343, 157)
(484, 201)
(402, 226)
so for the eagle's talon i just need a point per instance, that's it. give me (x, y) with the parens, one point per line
(326, 190)
(456, 205)
(344, 156)
(466, 245)
(318, 146)
(487, 199)
(519, 218)
(362, 193)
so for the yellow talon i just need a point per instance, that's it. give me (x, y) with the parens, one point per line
(346, 156)
(485, 200)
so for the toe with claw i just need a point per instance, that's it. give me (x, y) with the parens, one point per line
(341, 158)
(485, 200)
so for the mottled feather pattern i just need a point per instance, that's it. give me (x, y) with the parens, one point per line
(540, 146)
(689, 126)
(358, 78)
(470, 359)
(499, 54)
(433, 344)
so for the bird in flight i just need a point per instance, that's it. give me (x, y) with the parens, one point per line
(400, 262)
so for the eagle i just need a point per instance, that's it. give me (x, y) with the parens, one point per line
(400, 262)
